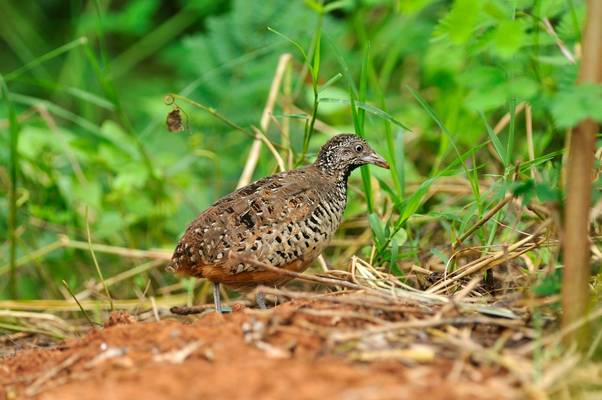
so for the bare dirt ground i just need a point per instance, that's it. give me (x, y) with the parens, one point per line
(288, 352)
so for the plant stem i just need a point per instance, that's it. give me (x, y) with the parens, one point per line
(575, 289)
(98, 271)
(12, 195)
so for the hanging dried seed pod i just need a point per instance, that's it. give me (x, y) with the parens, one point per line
(174, 120)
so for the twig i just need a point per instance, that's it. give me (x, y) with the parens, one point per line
(79, 305)
(357, 298)
(271, 147)
(322, 263)
(287, 102)
(187, 310)
(96, 261)
(154, 305)
(530, 145)
(485, 218)
(170, 99)
(303, 277)
(68, 305)
(251, 163)
(178, 356)
(37, 385)
(120, 251)
(397, 326)
(563, 49)
(32, 256)
(122, 276)
(485, 261)
(341, 314)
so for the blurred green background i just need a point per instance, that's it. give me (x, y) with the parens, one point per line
(87, 81)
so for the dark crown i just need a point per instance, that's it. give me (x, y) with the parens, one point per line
(330, 153)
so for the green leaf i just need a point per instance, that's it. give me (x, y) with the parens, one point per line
(393, 254)
(577, 103)
(508, 37)
(377, 228)
(400, 237)
(521, 87)
(547, 193)
(411, 205)
(315, 6)
(550, 285)
(413, 6)
(459, 24)
(130, 179)
(525, 189)
(337, 5)
(551, 8)
(495, 140)
(89, 193)
(111, 223)
(316, 58)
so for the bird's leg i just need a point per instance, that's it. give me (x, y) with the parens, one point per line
(260, 300)
(216, 299)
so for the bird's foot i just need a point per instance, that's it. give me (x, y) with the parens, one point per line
(216, 298)
(260, 300)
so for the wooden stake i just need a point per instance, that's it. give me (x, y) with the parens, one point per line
(579, 174)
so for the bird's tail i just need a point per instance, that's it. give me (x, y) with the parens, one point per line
(178, 260)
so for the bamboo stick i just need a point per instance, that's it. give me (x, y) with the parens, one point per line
(575, 289)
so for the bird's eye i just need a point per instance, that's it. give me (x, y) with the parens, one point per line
(359, 148)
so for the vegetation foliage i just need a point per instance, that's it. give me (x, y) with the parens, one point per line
(425, 81)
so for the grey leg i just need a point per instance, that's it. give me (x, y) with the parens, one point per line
(216, 298)
(260, 300)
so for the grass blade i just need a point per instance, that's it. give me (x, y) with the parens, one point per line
(291, 41)
(369, 108)
(58, 111)
(98, 271)
(432, 114)
(360, 117)
(511, 129)
(377, 228)
(346, 72)
(495, 140)
(331, 82)
(46, 57)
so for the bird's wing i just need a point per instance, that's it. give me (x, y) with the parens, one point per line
(243, 222)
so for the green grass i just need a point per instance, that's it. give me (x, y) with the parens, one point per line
(424, 84)
(427, 100)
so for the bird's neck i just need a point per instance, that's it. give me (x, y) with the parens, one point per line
(340, 174)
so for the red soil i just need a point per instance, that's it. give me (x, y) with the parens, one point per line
(129, 360)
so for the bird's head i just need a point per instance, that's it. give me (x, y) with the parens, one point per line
(344, 153)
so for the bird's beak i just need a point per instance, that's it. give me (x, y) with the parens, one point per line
(376, 160)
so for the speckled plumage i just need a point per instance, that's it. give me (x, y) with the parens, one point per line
(284, 220)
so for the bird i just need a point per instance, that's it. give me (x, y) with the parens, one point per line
(284, 220)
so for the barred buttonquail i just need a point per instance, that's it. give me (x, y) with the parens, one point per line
(284, 220)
